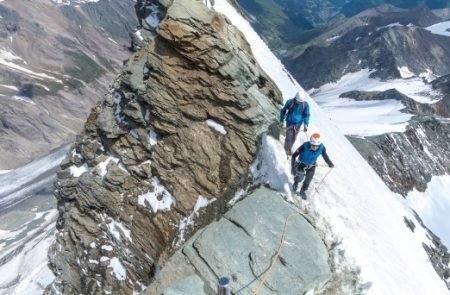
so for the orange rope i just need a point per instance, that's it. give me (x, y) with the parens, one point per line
(280, 246)
(277, 254)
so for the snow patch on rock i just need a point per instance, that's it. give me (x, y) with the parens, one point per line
(159, 199)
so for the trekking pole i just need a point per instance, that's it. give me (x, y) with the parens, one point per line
(321, 182)
(322, 166)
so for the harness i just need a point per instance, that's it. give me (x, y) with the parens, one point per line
(304, 169)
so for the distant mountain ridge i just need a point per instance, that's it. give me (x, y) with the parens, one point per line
(381, 40)
(286, 23)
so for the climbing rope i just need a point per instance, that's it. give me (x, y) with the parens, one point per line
(282, 240)
(277, 254)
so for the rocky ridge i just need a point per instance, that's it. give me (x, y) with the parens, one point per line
(290, 26)
(176, 133)
(408, 160)
(411, 106)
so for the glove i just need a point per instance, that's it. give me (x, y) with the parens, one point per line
(305, 128)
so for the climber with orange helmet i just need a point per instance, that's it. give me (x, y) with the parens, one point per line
(305, 167)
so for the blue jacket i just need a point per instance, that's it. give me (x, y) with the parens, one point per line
(295, 113)
(309, 157)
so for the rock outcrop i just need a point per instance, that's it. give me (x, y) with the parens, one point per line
(176, 133)
(241, 246)
(408, 160)
(411, 106)
(442, 107)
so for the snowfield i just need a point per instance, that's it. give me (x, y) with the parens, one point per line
(361, 209)
(365, 118)
(8, 59)
(432, 204)
(440, 28)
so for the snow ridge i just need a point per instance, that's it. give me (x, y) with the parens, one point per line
(362, 210)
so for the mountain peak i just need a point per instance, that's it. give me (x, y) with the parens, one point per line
(177, 132)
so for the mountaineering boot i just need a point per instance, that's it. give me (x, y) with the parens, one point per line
(295, 186)
(302, 194)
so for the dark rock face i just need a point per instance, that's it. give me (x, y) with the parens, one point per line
(442, 107)
(411, 106)
(177, 131)
(408, 160)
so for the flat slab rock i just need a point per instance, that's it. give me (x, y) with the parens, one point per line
(241, 245)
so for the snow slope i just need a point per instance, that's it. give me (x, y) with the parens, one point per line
(366, 118)
(433, 204)
(23, 181)
(27, 225)
(440, 28)
(353, 199)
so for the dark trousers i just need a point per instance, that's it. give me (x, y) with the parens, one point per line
(305, 172)
(291, 136)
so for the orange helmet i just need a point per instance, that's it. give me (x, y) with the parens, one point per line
(315, 139)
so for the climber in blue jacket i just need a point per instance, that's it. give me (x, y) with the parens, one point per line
(305, 167)
(296, 113)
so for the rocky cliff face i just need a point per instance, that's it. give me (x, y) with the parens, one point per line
(408, 160)
(57, 60)
(176, 133)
